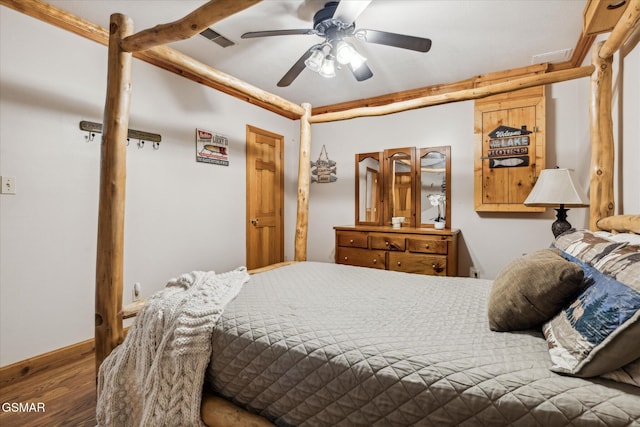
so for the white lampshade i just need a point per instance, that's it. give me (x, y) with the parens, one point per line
(557, 187)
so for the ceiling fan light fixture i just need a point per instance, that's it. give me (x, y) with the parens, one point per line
(328, 68)
(357, 60)
(314, 62)
(345, 52)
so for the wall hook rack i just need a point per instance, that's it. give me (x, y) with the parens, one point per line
(141, 136)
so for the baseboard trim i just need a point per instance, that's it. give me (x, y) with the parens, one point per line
(18, 371)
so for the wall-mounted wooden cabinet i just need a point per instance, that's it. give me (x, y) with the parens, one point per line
(509, 149)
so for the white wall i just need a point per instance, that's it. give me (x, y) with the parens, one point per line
(181, 215)
(488, 240)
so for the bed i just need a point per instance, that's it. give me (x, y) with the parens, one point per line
(432, 358)
(328, 344)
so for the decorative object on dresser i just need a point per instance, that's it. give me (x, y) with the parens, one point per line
(557, 187)
(408, 249)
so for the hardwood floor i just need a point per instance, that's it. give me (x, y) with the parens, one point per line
(67, 394)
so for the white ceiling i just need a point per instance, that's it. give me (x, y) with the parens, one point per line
(470, 37)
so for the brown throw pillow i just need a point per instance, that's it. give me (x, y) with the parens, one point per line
(532, 289)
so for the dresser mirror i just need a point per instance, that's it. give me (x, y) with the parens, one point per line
(404, 182)
(400, 185)
(432, 201)
(369, 188)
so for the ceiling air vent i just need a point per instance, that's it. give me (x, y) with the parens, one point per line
(216, 38)
(552, 57)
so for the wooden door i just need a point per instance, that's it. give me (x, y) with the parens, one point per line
(506, 168)
(265, 198)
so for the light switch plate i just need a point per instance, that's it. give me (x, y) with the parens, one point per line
(8, 185)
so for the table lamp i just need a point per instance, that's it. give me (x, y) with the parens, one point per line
(557, 187)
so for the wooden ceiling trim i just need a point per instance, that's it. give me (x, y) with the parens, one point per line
(215, 79)
(461, 95)
(187, 27)
(59, 18)
(480, 80)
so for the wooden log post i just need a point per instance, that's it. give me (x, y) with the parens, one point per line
(304, 181)
(602, 148)
(622, 31)
(110, 253)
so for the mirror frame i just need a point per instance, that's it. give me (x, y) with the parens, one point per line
(379, 204)
(388, 209)
(446, 151)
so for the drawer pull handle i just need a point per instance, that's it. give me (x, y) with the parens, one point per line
(351, 241)
(426, 246)
(375, 260)
(437, 268)
(386, 243)
(346, 258)
(398, 263)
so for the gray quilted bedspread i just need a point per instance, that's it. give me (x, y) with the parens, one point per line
(320, 344)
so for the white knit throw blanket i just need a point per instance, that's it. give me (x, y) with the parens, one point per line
(155, 377)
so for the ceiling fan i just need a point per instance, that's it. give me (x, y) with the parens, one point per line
(336, 22)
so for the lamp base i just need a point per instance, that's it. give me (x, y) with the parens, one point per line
(561, 224)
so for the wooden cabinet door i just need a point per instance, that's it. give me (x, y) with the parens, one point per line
(506, 171)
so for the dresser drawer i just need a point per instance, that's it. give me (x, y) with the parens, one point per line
(360, 257)
(354, 239)
(387, 242)
(435, 265)
(427, 245)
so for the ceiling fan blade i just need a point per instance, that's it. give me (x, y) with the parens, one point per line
(254, 34)
(296, 69)
(363, 72)
(396, 40)
(349, 10)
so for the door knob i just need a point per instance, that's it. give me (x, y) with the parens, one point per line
(254, 221)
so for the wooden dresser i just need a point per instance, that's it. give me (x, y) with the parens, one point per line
(412, 250)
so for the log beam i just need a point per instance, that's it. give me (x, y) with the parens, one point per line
(187, 27)
(162, 59)
(113, 170)
(184, 63)
(456, 96)
(623, 29)
(304, 181)
(601, 194)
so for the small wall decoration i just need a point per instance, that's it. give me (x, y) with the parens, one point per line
(507, 146)
(212, 148)
(323, 170)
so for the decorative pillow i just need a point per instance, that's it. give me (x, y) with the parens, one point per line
(600, 331)
(530, 290)
(630, 238)
(585, 245)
